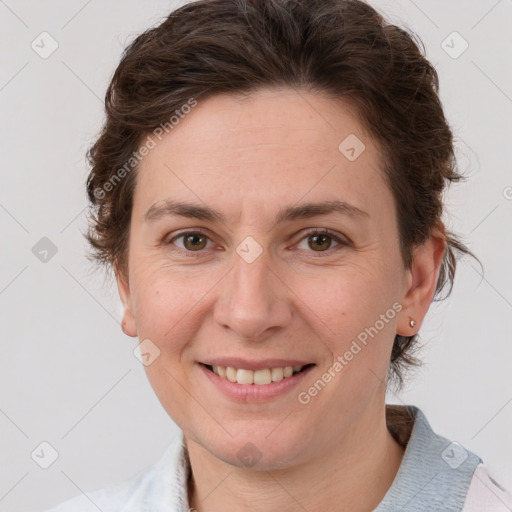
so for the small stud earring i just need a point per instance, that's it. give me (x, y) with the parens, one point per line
(412, 323)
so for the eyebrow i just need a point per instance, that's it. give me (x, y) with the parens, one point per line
(290, 213)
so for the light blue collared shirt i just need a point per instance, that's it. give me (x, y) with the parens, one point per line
(435, 475)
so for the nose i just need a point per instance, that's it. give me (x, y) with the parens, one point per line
(253, 300)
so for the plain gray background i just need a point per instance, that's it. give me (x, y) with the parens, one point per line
(68, 374)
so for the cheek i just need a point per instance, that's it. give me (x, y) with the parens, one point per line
(354, 311)
(166, 314)
(165, 308)
(348, 300)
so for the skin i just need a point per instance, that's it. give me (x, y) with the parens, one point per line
(248, 157)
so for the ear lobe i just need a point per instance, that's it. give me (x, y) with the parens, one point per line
(421, 282)
(128, 324)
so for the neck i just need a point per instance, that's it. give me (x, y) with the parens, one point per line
(355, 473)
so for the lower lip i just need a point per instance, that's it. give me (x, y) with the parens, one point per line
(254, 392)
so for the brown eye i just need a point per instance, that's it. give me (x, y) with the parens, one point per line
(320, 242)
(193, 241)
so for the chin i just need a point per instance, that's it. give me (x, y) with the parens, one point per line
(261, 448)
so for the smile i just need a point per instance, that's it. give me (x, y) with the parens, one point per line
(260, 377)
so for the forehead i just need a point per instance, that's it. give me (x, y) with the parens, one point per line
(265, 119)
(268, 148)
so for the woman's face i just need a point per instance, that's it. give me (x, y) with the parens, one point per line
(253, 289)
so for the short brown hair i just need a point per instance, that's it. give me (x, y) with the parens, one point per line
(343, 48)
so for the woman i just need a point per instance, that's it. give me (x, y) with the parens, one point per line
(267, 189)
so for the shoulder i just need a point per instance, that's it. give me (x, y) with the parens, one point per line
(115, 498)
(436, 473)
(484, 493)
(163, 483)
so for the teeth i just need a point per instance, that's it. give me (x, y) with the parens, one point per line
(262, 377)
(258, 377)
(277, 374)
(244, 376)
(231, 374)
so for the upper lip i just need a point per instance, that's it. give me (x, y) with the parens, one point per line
(240, 363)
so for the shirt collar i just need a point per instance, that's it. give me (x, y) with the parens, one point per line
(433, 468)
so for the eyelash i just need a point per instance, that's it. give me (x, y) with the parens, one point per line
(312, 232)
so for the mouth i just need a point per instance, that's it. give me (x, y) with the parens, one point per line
(260, 377)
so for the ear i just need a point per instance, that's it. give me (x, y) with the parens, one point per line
(421, 280)
(123, 286)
